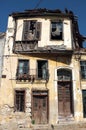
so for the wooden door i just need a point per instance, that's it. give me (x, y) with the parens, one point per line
(40, 108)
(65, 107)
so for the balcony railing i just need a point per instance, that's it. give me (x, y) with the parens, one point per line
(33, 75)
(25, 46)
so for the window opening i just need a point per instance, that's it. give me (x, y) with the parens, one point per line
(84, 102)
(31, 30)
(23, 66)
(64, 75)
(20, 100)
(23, 69)
(83, 69)
(56, 30)
(42, 69)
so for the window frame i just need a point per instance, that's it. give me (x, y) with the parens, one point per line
(64, 74)
(47, 73)
(16, 96)
(56, 21)
(36, 35)
(83, 99)
(83, 72)
(27, 66)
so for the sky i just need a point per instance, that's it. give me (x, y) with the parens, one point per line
(9, 6)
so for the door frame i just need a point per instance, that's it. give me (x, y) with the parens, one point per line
(56, 87)
(71, 98)
(47, 91)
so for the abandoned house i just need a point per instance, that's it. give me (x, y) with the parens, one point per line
(44, 70)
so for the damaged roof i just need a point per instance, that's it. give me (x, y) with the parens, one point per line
(78, 38)
(42, 12)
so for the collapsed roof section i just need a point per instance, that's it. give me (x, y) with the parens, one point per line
(77, 37)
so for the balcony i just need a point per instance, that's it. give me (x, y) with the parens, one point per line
(33, 75)
(31, 47)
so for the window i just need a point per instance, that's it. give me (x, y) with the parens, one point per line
(31, 30)
(42, 69)
(84, 102)
(56, 30)
(20, 100)
(23, 68)
(64, 75)
(83, 69)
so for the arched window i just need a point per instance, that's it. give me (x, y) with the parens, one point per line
(64, 75)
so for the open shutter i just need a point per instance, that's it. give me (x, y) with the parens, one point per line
(26, 28)
(38, 30)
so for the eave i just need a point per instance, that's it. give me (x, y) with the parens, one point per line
(46, 52)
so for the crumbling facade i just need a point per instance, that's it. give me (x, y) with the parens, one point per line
(44, 70)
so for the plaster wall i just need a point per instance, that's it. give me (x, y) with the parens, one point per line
(45, 33)
(9, 84)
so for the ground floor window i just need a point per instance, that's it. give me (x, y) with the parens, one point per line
(84, 102)
(19, 101)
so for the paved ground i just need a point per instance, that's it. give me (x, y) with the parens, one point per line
(65, 126)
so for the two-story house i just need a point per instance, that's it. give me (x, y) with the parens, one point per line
(44, 70)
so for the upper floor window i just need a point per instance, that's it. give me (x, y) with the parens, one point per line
(56, 30)
(83, 69)
(31, 30)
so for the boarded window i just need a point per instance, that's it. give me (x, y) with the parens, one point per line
(20, 100)
(83, 69)
(42, 69)
(56, 30)
(31, 30)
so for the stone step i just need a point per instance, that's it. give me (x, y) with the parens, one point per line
(70, 126)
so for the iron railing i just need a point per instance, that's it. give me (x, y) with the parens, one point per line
(33, 74)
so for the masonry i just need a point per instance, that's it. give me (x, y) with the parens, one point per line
(43, 83)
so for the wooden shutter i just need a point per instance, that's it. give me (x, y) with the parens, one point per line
(38, 30)
(26, 28)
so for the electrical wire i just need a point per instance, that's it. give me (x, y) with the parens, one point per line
(39, 2)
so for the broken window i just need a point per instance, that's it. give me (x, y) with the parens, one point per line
(20, 100)
(83, 69)
(23, 68)
(56, 30)
(31, 30)
(42, 69)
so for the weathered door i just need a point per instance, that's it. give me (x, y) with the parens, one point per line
(65, 108)
(40, 107)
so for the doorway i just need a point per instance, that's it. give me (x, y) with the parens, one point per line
(65, 93)
(40, 107)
